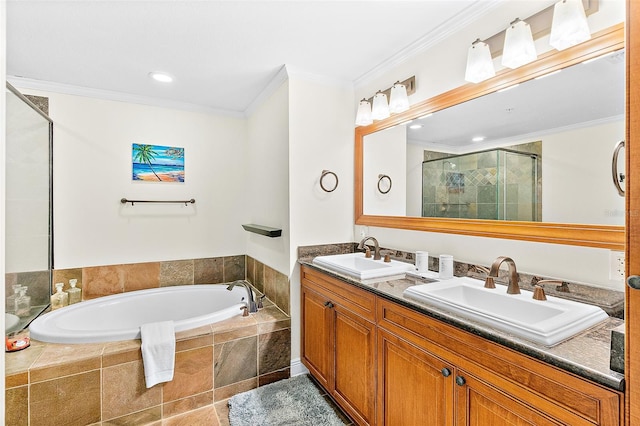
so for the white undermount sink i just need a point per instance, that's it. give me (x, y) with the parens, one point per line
(546, 322)
(358, 266)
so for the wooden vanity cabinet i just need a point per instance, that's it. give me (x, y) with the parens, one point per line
(492, 385)
(338, 342)
(431, 373)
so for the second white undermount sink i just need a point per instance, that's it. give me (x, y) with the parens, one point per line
(358, 266)
(546, 322)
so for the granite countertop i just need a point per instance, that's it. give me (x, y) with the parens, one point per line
(586, 355)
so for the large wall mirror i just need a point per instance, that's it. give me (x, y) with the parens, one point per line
(533, 162)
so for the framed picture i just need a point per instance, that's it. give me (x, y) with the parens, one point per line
(156, 163)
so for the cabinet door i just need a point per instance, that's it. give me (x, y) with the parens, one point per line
(416, 388)
(479, 404)
(317, 347)
(354, 382)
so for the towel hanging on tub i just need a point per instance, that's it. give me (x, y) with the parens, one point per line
(158, 351)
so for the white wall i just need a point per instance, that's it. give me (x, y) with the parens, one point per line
(267, 185)
(385, 153)
(3, 77)
(92, 172)
(321, 137)
(441, 68)
(415, 157)
(587, 153)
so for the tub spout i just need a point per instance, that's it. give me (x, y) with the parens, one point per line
(251, 303)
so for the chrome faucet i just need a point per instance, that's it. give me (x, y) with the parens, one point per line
(251, 303)
(513, 288)
(376, 247)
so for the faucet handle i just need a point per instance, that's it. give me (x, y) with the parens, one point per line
(480, 269)
(367, 252)
(260, 299)
(538, 289)
(387, 255)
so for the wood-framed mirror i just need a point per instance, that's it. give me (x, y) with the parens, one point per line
(601, 235)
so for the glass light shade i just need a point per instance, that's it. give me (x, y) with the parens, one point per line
(363, 117)
(380, 109)
(518, 45)
(569, 26)
(399, 100)
(479, 63)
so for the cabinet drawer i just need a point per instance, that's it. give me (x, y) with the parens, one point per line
(357, 300)
(561, 395)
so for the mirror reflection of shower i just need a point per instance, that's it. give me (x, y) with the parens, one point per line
(497, 184)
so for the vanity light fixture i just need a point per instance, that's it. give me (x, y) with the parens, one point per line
(519, 48)
(399, 101)
(393, 100)
(415, 126)
(363, 117)
(380, 109)
(479, 63)
(569, 26)
(478, 139)
(161, 77)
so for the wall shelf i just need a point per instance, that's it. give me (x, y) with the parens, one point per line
(263, 230)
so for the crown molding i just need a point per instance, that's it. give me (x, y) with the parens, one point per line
(68, 89)
(435, 36)
(275, 83)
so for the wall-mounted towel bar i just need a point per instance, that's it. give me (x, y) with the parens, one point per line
(191, 201)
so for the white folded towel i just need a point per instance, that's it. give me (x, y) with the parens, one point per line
(158, 351)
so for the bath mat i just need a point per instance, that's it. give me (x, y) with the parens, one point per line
(295, 401)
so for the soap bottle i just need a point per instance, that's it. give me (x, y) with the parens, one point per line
(75, 294)
(10, 305)
(23, 303)
(59, 298)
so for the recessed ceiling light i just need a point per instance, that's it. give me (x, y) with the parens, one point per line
(478, 139)
(161, 77)
(416, 126)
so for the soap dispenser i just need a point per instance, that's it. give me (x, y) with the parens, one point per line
(23, 303)
(10, 302)
(75, 294)
(60, 298)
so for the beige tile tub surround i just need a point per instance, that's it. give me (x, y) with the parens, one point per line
(104, 383)
(98, 281)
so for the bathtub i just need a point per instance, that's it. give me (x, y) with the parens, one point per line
(119, 317)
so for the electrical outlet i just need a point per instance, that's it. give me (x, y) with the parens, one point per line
(616, 265)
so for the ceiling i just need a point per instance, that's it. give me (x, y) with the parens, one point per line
(581, 95)
(222, 54)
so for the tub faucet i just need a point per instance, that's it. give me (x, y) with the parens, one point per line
(513, 288)
(251, 303)
(376, 247)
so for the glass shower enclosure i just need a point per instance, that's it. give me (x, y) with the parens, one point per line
(498, 184)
